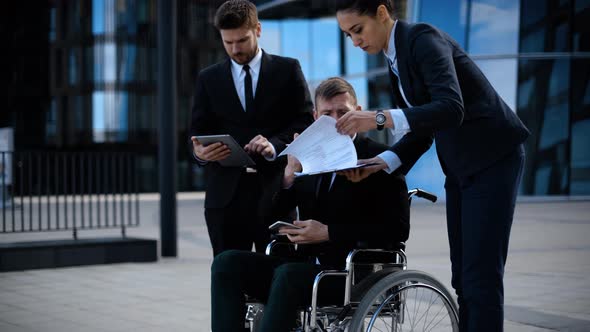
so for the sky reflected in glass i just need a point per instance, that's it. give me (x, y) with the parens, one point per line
(494, 27)
(452, 19)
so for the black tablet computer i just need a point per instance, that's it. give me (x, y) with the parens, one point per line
(238, 157)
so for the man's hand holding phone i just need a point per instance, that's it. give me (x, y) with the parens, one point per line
(305, 231)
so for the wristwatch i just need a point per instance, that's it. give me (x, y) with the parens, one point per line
(380, 119)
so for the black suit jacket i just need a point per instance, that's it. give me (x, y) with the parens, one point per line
(360, 212)
(282, 107)
(453, 102)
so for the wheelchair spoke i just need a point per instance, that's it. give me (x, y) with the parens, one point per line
(412, 307)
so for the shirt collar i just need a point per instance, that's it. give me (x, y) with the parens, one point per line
(391, 53)
(254, 63)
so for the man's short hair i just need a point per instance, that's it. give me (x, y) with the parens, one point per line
(234, 14)
(333, 87)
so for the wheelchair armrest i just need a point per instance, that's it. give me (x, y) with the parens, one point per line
(386, 246)
(397, 251)
(280, 241)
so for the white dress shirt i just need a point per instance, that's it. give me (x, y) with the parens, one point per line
(401, 125)
(239, 76)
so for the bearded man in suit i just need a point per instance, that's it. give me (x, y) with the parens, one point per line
(260, 100)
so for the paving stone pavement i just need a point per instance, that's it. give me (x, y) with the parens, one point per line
(547, 282)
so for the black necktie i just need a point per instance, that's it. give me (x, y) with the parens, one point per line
(248, 90)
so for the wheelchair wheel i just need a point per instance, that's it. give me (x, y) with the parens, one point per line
(406, 301)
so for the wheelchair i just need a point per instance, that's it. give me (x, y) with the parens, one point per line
(380, 295)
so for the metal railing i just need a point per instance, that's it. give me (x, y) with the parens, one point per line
(68, 191)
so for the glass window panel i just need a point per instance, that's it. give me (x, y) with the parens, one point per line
(51, 121)
(452, 19)
(105, 64)
(502, 75)
(356, 58)
(325, 49)
(52, 24)
(79, 113)
(109, 116)
(375, 61)
(544, 108)
(270, 38)
(127, 60)
(194, 16)
(88, 59)
(103, 17)
(533, 11)
(380, 93)
(295, 43)
(98, 116)
(494, 27)
(544, 26)
(427, 174)
(580, 159)
(121, 116)
(97, 17)
(581, 28)
(361, 90)
(73, 65)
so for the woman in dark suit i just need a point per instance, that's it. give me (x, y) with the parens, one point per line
(442, 95)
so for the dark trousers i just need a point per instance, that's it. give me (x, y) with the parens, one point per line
(239, 224)
(283, 285)
(479, 217)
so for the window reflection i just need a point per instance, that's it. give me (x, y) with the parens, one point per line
(580, 26)
(73, 65)
(380, 93)
(494, 27)
(356, 58)
(544, 108)
(270, 39)
(109, 116)
(361, 90)
(580, 160)
(502, 75)
(295, 43)
(325, 48)
(105, 66)
(427, 174)
(452, 20)
(544, 26)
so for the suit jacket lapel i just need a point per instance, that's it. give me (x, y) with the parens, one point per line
(402, 54)
(262, 84)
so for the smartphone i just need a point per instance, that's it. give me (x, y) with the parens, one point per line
(279, 224)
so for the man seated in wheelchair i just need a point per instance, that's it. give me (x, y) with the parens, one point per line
(334, 215)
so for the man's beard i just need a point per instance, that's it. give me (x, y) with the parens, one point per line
(243, 58)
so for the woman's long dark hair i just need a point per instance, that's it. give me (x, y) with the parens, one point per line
(364, 7)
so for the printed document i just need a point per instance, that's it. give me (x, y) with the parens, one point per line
(321, 149)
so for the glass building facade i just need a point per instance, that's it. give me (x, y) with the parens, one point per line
(82, 75)
(97, 90)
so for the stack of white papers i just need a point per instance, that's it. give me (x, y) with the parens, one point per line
(321, 149)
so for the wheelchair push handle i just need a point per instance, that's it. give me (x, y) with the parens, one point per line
(422, 194)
